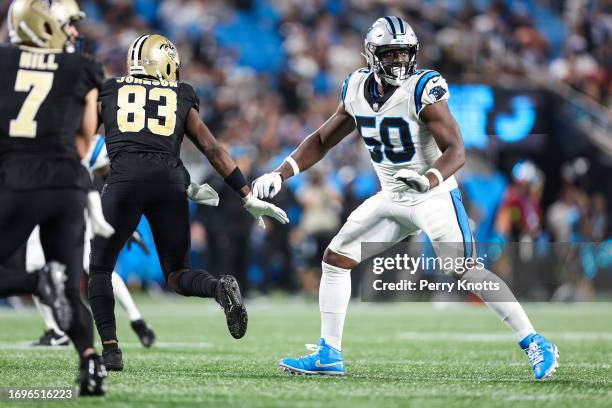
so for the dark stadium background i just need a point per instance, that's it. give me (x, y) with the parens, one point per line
(530, 80)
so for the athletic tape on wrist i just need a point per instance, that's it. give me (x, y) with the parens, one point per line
(293, 164)
(436, 173)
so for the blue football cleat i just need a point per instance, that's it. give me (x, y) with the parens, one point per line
(543, 356)
(325, 360)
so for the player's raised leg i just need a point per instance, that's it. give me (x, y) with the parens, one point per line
(168, 214)
(444, 219)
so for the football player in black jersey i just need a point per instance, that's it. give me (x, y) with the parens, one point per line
(145, 116)
(48, 98)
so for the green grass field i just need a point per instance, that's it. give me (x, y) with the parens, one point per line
(403, 354)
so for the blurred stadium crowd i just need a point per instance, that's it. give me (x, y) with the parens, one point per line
(268, 73)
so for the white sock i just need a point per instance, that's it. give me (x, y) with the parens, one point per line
(509, 310)
(47, 316)
(334, 296)
(122, 294)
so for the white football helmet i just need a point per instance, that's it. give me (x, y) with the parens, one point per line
(387, 34)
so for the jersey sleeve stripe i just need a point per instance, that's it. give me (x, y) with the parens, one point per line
(96, 152)
(345, 86)
(420, 87)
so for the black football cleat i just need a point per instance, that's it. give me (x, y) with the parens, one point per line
(113, 359)
(92, 379)
(51, 338)
(144, 332)
(51, 291)
(230, 299)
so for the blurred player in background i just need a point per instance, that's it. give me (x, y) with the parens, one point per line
(415, 146)
(48, 98)
(98, 164)
(146, 115)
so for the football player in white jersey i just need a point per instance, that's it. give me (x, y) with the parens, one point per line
(416, 147)
(96, 160)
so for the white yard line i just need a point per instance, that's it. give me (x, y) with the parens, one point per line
(500, 337)
(157, 345)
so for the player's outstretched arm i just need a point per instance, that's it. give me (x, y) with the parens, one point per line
(446, 132)
(201, 136)
(309, 152)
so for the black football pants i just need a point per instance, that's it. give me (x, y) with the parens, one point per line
(166, 208)
(60, 215)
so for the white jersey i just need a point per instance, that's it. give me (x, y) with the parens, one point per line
(394, 134)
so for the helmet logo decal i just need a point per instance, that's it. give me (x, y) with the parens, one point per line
(171, 51)
(437, 92)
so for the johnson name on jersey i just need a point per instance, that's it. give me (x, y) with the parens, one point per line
(144, 121)
(392, 130)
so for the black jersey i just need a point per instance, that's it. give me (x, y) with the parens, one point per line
(144, 121)
(42, 95)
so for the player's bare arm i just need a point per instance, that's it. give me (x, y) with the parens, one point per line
(200, 135)
(308, 153)
(317, 144)
(89, 124)
(445, 130)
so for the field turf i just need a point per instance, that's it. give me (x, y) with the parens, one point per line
(403, 355)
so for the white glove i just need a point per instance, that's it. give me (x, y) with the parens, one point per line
(413, 180)
(204, 194)
(98, 223)
(268, 185)
(257, 208)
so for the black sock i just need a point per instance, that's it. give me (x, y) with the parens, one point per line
(102, 302)
(110, 346)
(81, 330)
(196, 282)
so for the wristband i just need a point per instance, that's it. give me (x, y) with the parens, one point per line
(436, 173)
(293, 164)
(236, 180)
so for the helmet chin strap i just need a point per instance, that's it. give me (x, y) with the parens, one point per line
(378, 79)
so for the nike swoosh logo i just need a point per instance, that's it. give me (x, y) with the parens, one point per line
(59, 341)
(435, 80)
(318, 364)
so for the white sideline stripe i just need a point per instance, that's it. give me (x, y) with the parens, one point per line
(501, 337)
(157, 345)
